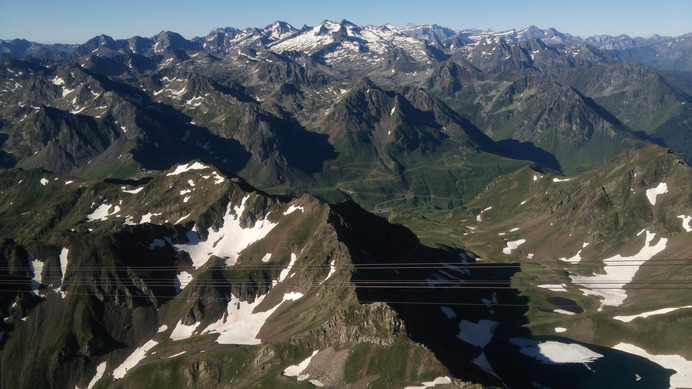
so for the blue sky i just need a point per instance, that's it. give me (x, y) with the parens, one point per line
(75, 21)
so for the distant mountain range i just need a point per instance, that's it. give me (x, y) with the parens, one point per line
(224, 38)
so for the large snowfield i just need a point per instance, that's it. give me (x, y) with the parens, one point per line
(228, 241)
(619, 271)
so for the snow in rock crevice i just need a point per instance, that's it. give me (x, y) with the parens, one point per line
(332, 269)
(284, 273)
(100, 369)
(134, 358)
(662, 311)
(63, 265)
(176, 355)
(36, 268)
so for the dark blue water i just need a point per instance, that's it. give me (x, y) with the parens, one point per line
(566, 304)
(616, 369)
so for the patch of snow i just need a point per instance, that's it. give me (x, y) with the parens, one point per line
(163, 328)
(56, 80)
(297, 370)
(63, 264)
(554, 287)
(480, 215)
(430, 384)
(103, 211)
(147, 217)
(293, 296)
(284, 272)
(513, 245)
(182, 218)
(266, 257)
(332, 269)
(619, 271)
(652, 193)
(686, 222)
(100, 369)
(662, 311)
(449, 312)
(44, 181)
(564, 312)
(66, 91)
(132, 191)
(178, 93)
(515, 229)
(560, 330)
(218, 179)
(184, 168)
(182, 331)
(682, 366)
(240, 324)
(561, 180)
(316, 383)
(529, 255)
(575, 259)
(294, 208)
(228, 241)
(177, 355)
(36, 269)
(478, 334)
(553, 353)
(133, 359)
(181, 281)
(392, 111)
